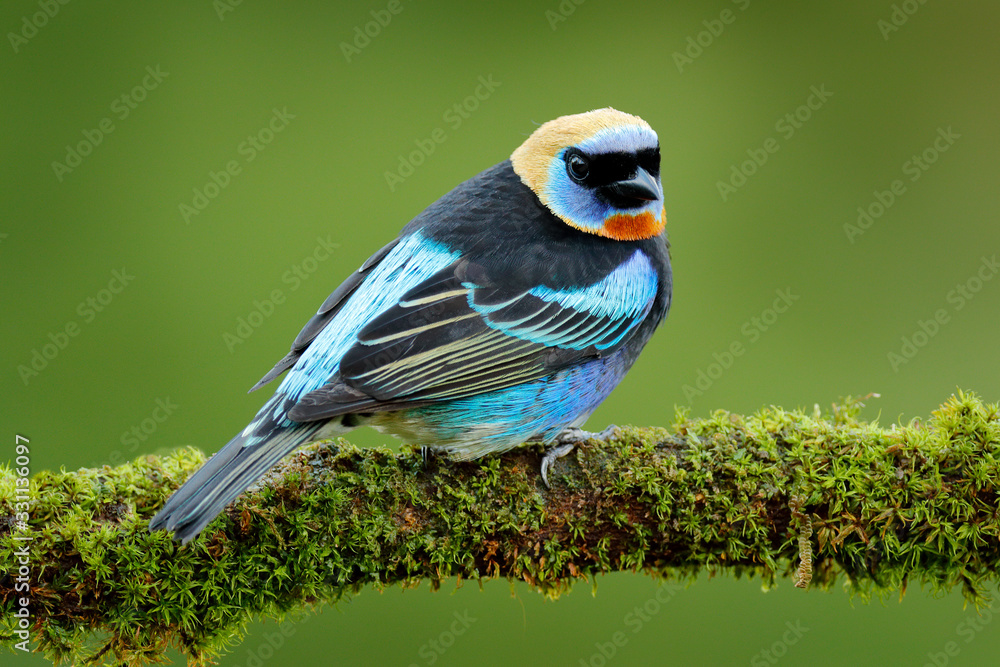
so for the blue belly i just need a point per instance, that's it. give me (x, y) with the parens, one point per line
(472, 427)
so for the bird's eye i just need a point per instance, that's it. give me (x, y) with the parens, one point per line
(578, 167)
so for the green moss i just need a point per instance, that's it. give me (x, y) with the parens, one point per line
(877, 508)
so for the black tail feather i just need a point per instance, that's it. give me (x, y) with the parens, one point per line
(224, 477)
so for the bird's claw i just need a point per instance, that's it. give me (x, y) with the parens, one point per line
(608, 433)
(566, 441)
(551, 456)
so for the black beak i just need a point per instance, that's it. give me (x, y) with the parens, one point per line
(637, 190)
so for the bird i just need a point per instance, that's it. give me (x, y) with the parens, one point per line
(505, 312)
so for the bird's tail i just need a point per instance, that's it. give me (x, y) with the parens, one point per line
(226, 475)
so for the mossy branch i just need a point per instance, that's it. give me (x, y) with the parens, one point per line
(774, 494)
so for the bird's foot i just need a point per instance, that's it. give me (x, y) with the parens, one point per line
(574, 435)
(551, 455)
(611, 431)
(566, 442)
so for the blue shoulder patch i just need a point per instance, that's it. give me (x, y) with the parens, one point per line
(599, 315)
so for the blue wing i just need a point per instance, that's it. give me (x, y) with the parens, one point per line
(463, 332)
(381, 282)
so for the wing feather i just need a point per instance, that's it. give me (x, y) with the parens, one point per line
(324, 315)
(449, 337)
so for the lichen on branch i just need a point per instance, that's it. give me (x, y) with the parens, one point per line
(779, 493)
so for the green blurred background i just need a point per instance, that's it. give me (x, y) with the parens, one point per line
(223, 69)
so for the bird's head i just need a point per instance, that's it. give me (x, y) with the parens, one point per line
(598, 172)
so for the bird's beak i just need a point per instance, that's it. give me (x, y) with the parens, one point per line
(642, 187)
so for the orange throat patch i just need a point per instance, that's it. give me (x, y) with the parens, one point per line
(633, 227)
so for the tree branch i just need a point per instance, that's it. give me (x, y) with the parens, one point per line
(774, 494)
